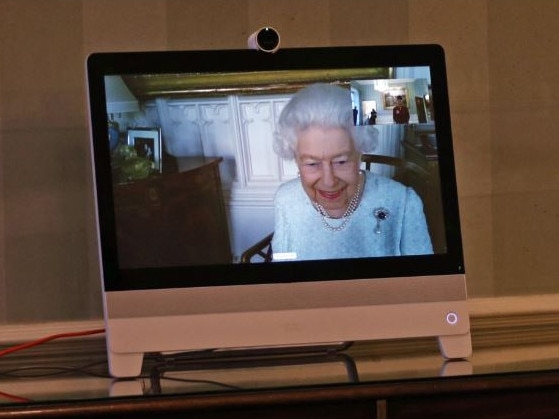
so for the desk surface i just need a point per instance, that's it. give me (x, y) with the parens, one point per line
(63, 379)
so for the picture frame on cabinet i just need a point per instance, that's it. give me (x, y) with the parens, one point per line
(390, 97)
(147, 143)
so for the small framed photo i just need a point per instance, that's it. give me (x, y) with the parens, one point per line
(391, 97)
(147, 142)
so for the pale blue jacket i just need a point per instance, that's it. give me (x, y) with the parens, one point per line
(300, 233)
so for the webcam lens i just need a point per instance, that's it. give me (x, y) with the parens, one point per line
(268, 39)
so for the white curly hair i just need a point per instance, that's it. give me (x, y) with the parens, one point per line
(321, 104)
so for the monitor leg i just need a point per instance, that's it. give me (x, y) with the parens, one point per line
(456, 346)
(122, 365)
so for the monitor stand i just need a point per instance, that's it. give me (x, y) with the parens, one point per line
(284, 315)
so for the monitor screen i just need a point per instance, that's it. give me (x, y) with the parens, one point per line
(252, 199)
(187, 178)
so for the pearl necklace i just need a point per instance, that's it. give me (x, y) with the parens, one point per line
(351, 207)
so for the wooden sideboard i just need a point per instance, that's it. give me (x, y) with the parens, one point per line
(303, 391)
(173, 219)
(504, 378)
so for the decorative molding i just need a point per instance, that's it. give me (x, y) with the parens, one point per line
(518, 320)
(17, 333)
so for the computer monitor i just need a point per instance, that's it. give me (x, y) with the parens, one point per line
(185, 179)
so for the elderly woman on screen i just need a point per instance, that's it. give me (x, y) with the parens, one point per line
(334, 209)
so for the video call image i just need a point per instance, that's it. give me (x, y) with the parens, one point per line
(219, 170)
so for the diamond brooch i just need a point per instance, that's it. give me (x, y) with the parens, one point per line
(381, 214)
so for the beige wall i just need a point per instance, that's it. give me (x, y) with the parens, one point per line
(502, 67)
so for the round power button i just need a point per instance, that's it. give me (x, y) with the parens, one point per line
(452, 318)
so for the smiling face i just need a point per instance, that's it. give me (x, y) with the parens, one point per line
(329, 166)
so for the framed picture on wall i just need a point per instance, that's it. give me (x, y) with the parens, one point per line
(390, 97)
(147, 143)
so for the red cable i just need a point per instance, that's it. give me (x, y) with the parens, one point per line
(14, 398)
(49, 338)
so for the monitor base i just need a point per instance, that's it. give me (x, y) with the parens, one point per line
(452, 347)
(260, 317)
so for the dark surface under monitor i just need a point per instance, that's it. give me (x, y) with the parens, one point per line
(69, 379)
